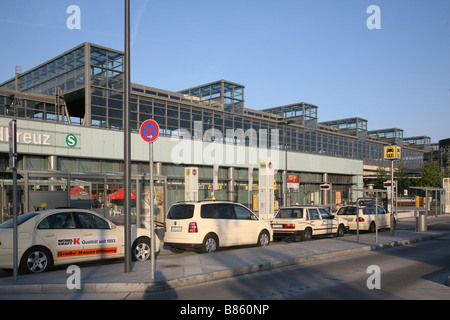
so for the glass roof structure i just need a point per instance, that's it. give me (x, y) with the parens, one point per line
(84, 86)
(352, 126)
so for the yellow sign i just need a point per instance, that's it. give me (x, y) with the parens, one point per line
(398, 152)
(392, 152)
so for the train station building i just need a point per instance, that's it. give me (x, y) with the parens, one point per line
(69, 113)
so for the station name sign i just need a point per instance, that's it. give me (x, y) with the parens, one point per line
(24, 137)
(28, 137)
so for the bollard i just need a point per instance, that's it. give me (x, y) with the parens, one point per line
(421, 222)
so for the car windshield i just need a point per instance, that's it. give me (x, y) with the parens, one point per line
(352, 210)
(290, 213)
(181, 211)
(325, 214)
(20, 219)
(369, 211)
(347, 210)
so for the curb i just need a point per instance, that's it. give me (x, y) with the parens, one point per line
(175, 283)
(197, 279)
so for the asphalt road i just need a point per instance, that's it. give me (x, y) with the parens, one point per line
(417, 271)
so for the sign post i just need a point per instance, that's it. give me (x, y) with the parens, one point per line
(215, 184)
(191, 184)
(266, 189)
(149, 133)
(250, 186)
(392, 153)
(13, 167)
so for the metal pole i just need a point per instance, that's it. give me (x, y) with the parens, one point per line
(15, 243)
(331, 195)
(127, 140)
(152, 215)
(357, 219)
(13, 165)
(435, 203)
(249, 193)
(392, 197)
(376, 219)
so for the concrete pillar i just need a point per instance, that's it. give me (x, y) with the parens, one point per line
(52, 163)
(325, 192)
(231, 191)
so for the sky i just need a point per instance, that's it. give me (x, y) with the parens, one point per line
(324, 52)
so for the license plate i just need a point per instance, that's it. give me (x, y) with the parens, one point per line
(175, 229)
(277, 226)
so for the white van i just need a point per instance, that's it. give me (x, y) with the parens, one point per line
(206, 225)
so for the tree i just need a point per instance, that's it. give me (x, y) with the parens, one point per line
(382, 176)
(431, 175)
(401, 175)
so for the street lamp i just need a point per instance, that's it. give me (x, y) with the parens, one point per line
(127, 140)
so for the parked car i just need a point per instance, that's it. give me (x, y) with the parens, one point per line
(67, 236)
(206, 225)
(367, 218)
(303, 222)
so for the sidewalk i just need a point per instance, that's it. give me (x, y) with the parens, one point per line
(174, 271)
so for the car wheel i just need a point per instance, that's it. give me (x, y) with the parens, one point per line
(36, 260)
(307, 234)
(263, 239)
(372, 227)
(141, 249)
(340, 231)
(210, 243)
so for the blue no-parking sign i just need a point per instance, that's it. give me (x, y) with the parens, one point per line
(149, 130)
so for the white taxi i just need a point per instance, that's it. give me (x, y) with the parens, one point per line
(367, 218)
(206, 225)
(304, 222)
(67, 236)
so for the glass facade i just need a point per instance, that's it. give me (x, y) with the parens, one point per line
(222, 94)
(392, 135)
(422, 142)
(352, 126)
(29, 109)
(444, 156)
(65, 72)
(302, 113)
(65, 77)
(106, 84)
